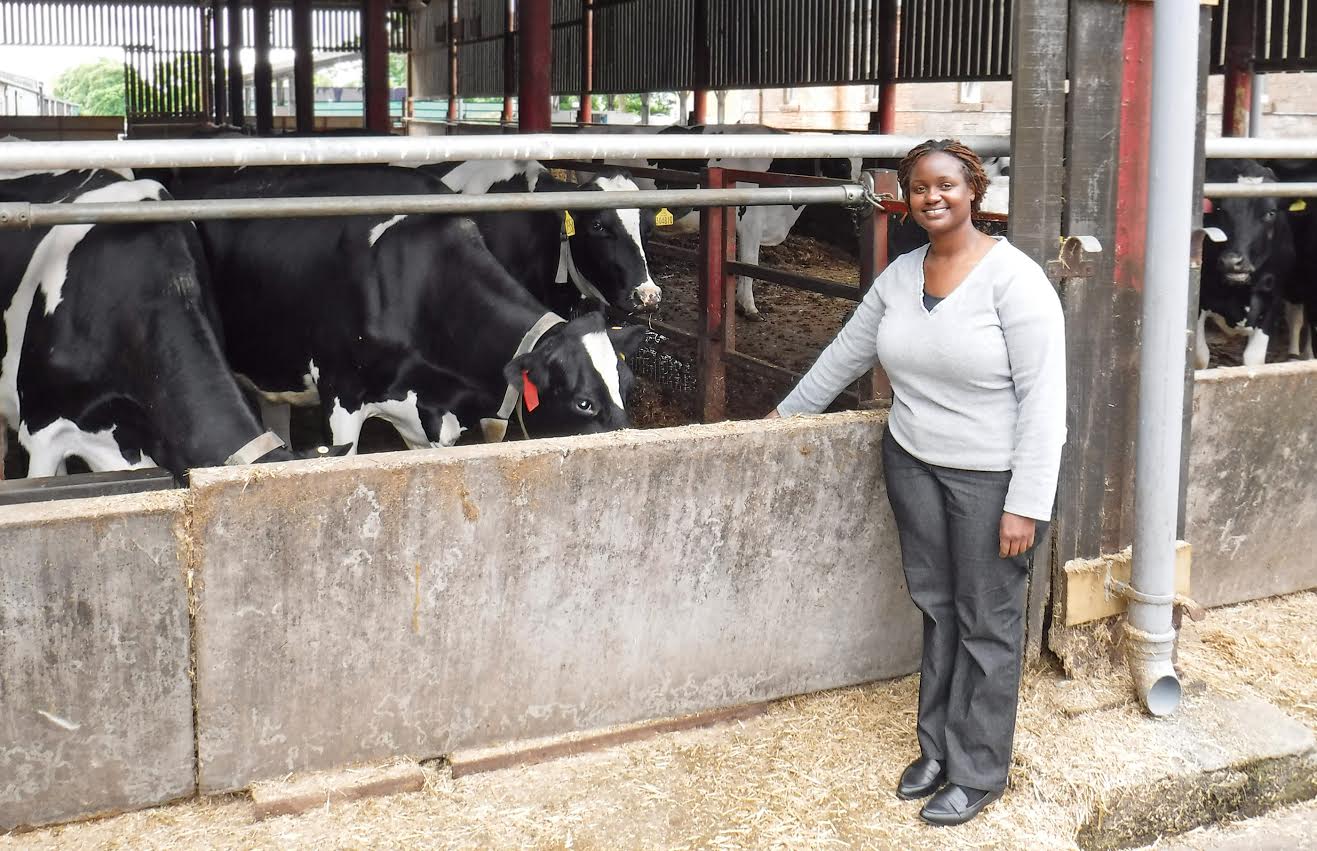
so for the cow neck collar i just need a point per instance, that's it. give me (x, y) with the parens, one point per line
(567, 271)
(496, 428)
(255, 449)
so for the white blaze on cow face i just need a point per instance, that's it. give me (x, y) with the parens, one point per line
(646, 293)
(47, 269)
(379, 229)
(604, 358)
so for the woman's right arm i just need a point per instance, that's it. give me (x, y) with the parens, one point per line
(854, 350)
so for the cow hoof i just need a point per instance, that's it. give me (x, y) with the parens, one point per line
(757, 316)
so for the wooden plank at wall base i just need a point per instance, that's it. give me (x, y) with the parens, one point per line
(290, 797)
(1085, 597)
(532, 751)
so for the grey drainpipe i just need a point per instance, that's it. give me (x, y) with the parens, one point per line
(1162, 354)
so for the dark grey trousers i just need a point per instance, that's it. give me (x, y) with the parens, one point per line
(973, 603)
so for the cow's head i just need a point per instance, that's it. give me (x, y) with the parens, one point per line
(1258, 245)
(576, 379)
(608, 248)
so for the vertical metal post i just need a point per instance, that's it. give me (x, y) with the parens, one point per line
(874, 386)
(1241, 23)
(304, 86)
(206, 71)
(1257, 91)
(237, 113)
(1162, 353)
(883, 119)
(584, 113)
(535, 63)
(454, 113)
(509, 60)
(375, 64)
(700, 94)
(1038, 122)
(263, 74)
(716, 245)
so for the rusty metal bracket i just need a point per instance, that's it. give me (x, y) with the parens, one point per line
(1076, 259)
(1196, 244)
(872, 198)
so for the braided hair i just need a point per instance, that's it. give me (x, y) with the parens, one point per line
(970, 163)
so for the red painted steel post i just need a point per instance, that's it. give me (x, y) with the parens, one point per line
(875, 390)
(1133, 140)
(219, 97)
(1238, 92)
(237, 111)
(883, 119)
(584, 114)
(375, 64)
(454, 115)
(304, 86)
(535, 61)
(509, 62)
(700, 93)
(263, 73)
(712, 304)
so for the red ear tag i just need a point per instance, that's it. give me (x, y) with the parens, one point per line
(1207, 205)
(529, 391)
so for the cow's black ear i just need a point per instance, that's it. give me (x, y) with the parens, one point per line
(534, 367)
(626, 341)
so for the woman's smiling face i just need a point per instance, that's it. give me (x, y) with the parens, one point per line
(940, 197)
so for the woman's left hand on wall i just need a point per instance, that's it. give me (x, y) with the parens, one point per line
(1016, 534)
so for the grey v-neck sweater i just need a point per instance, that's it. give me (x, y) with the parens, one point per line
(978, 381)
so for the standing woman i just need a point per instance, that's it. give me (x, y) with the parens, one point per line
(972, 336)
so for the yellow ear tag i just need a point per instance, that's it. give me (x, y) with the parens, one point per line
(663, 218)
(568, 226)
(1298, 206)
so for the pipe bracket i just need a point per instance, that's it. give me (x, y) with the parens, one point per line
(17, 214)
(1124, 589)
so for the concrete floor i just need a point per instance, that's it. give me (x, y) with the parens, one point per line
(815, 772)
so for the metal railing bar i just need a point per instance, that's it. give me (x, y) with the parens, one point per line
(26, 215)
(404, 150)
(795, 280)
(1260, 190)
(1244, 147)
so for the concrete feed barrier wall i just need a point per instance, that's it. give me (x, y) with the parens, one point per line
(1251, 507)
(95, 701)
(413, 603)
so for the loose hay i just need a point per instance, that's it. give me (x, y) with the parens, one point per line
(815, 772)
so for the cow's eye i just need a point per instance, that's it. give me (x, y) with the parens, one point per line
(1269, 216)
(585, 406)
(597, 226)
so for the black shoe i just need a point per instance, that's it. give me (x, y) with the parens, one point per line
(920, 779)
(955, 804)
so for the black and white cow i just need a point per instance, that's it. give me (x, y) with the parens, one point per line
(408, 318)
(565, 256)
(1301, 290)
(1244, 278)
(109, 352)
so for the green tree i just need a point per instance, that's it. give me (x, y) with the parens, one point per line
(397, 70)
(96, 87)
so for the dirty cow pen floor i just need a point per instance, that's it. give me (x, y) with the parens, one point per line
(814, 772)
